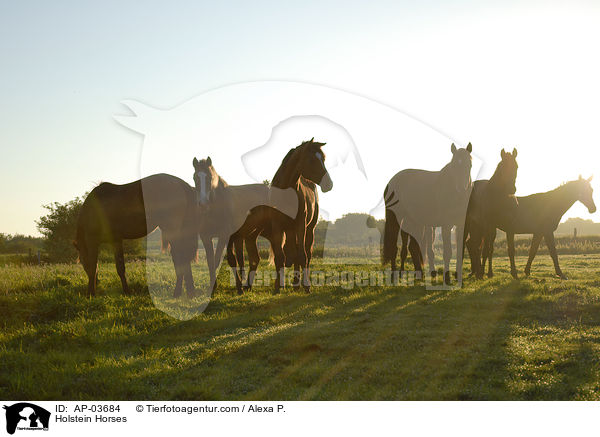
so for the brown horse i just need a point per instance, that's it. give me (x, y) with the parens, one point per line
(491, 201)
(302, 168)
(112, 213)
(224, 208)
(539, 214)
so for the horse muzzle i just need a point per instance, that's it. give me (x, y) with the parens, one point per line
(326, 183)
(592, 209)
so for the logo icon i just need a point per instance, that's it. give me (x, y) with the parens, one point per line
(26, 416)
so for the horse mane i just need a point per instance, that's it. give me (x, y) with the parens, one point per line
(308, 183)
(284, 161)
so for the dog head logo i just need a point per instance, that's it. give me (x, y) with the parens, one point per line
(26, 416)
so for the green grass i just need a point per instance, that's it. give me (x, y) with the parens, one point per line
(536, 338)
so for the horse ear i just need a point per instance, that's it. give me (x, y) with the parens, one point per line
(502, 153)
(469, 147)
(312, 139)
(514, 152)
(453, 148)
(590, 178)
(208, 160)
(195, 162)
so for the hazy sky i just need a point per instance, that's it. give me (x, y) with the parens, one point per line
(498, 74)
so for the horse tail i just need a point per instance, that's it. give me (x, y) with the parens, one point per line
(391, 229)
(165, 246)
(271, 256)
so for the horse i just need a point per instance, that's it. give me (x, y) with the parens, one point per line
(224, 208)
(417, 199)
(112, 213)
(490, 201)
(302, 169)
(539, 214)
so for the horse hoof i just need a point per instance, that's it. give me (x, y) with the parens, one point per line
(563, 276)
(177, 293)
(447, 278)
(490, 275)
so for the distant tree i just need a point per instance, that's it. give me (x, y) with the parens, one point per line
(58, 228)
(19, 244)
(267, 182)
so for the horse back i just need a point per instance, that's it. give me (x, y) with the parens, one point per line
(114, 212)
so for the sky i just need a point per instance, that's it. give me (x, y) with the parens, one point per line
(497, 74)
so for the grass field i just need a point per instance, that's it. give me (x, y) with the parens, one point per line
(536, 338)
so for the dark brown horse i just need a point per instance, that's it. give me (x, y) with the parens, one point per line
(491, 201)
(300, 170)
(112, 213)
(539, 214)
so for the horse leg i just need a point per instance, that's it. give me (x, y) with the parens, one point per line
(474, 244)
(210, 260)
(404, 249)
(91, 267)
(535, 243)
(176, 257)
(233, 249)
(430, 255)
(301, 258)
(238, 244)
(417, 257)
(221, 243)
(460, 229)
(120, 264)
(490, 252)
(446, 235)
(510, 242)
(390, 242)
(279, 258)
(549, 237)
(253, 258)
(308, 248)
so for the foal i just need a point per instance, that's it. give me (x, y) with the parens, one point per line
(539, 214)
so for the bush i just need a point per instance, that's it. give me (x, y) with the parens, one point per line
(58, 228)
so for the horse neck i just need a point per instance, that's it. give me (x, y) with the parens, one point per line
(446, 173)
(287, 175)
(563, 197)
(494, 182)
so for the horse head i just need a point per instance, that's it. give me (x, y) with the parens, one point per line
(585, 193)
(507, 171)
(460, 167)
(311, 164)
(206, 180)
